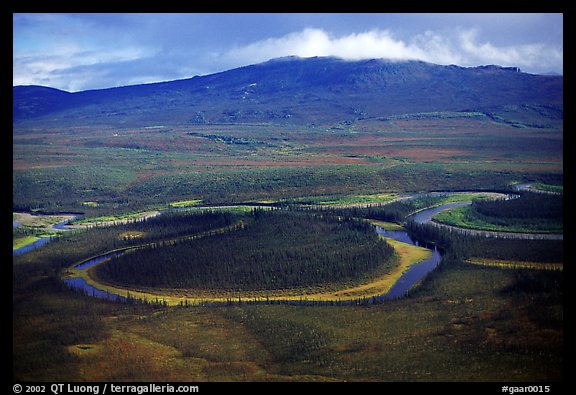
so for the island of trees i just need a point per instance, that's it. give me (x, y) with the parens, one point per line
(277, 249)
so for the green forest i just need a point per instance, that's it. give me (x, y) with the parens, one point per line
(277, 249)
(460, 322)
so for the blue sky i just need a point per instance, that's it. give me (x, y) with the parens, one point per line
(76, 52)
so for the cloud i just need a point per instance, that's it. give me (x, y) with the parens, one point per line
(460, 46)
(75, 67)
(316, 42)
(527, 56)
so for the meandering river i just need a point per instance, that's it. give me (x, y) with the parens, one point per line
(408, 279)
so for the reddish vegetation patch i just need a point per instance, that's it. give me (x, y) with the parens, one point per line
(144, 175)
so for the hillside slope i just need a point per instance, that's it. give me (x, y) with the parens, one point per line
(296, 90)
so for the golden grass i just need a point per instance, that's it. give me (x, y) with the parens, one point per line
(504, 264)
(127, 356)
(85, 350)
(185, 203)
(137, 354)
(130, 235)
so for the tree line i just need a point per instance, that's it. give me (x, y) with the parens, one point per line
(528, 207)
(530, 212)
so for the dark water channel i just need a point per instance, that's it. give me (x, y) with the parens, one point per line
(79, 284)
(425, 216)
(408, 280)
(29, 247)
(416, 272)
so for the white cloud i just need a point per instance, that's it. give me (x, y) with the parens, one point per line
(71, 67)
(459, 46)
(436, 48)
(524, 56)
(316, 42)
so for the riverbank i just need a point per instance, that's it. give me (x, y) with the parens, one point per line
(112, 220)
(46, 226)
(22, 242)
(377, 287)
(465, 322)
(463, 218)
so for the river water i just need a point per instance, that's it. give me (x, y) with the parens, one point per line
(416, 272)
(425, 216)
(29, 247)
(79, 284)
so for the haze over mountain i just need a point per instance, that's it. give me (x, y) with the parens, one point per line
(319, 90)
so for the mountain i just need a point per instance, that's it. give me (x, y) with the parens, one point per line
(320, 90)
(33, 101)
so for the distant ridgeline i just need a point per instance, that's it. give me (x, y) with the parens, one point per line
(298, 90)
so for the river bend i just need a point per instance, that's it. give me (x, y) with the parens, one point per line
(409, 278)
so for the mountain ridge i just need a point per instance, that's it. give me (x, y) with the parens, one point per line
(295, 90)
